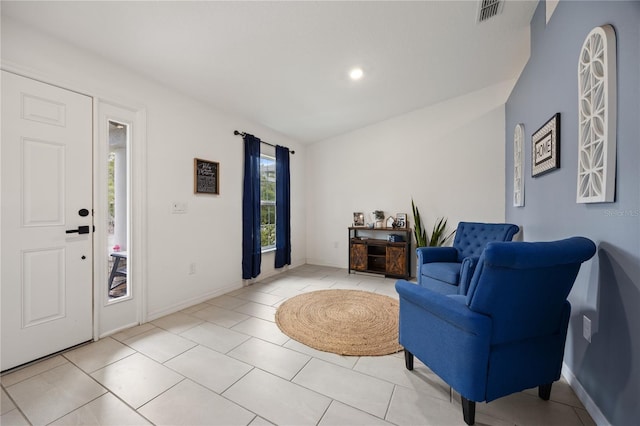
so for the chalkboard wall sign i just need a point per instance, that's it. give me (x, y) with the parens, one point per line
(206, 177)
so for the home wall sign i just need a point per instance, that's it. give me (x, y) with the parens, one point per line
(545, 145)
(597, 117)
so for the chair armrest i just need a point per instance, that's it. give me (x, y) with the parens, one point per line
(466, 272)
(448, 337)
(436, 254)
(445, 308)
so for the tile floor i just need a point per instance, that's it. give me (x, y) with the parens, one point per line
(225, 362)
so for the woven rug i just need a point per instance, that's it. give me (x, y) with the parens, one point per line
(345, 322)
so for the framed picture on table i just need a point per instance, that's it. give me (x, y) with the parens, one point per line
(358, 219)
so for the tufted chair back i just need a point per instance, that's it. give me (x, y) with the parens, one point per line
(472, 237)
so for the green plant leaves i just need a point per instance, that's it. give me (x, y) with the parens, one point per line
(439, 235)
(420, 234)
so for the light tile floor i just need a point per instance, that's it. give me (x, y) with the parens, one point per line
(225, 362)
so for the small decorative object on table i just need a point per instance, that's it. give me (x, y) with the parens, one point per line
(358, 219)
(378, 215)
(391, 222)
(401, 220)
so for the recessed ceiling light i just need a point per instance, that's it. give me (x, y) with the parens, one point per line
(356, 73)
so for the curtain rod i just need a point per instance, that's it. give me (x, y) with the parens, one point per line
(237, 133)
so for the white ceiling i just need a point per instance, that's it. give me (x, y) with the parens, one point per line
(285, 64)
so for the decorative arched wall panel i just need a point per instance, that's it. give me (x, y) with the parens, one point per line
(597, 117)
(518, 166)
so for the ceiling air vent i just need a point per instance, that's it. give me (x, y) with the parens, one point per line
(487, 9)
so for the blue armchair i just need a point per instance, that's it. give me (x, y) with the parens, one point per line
(448, 270)
(508, 333)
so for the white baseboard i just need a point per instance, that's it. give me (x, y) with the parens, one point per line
(266, 274)
(219, 292)
(319, 262)
(191, 302)
(583, 396)
(117, 330)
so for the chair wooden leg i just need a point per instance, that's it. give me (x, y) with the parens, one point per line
(408, 359)
(544, 391)
(468, 410)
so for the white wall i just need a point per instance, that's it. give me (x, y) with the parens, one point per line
(448, 157)
(178, 129)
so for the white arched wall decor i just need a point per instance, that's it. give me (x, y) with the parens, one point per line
(597, 117)
(518, 166)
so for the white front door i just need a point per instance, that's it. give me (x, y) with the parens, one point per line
(46, 215)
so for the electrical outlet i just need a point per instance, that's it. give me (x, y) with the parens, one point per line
(192, 269)
(586, 328)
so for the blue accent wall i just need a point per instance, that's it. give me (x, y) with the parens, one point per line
(608, 287)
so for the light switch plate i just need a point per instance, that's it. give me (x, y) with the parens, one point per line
(178, 207)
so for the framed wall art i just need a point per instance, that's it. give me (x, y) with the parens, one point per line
(545, 146)
(206, 177)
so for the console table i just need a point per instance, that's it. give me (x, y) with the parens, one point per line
(370, 251)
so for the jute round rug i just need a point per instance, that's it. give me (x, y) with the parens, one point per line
(345, 322)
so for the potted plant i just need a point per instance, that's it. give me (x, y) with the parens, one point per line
(378, 215)
(439, 235)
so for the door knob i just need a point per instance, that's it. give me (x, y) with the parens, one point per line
(80, 230)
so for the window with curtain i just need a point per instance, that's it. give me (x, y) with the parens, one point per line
(266, 207)
(267, 202)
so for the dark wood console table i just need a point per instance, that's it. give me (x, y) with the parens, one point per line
(370, 251)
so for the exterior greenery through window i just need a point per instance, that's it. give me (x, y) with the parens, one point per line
(267, 202)
(111, 192)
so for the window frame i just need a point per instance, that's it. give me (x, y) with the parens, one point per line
(265, 202)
